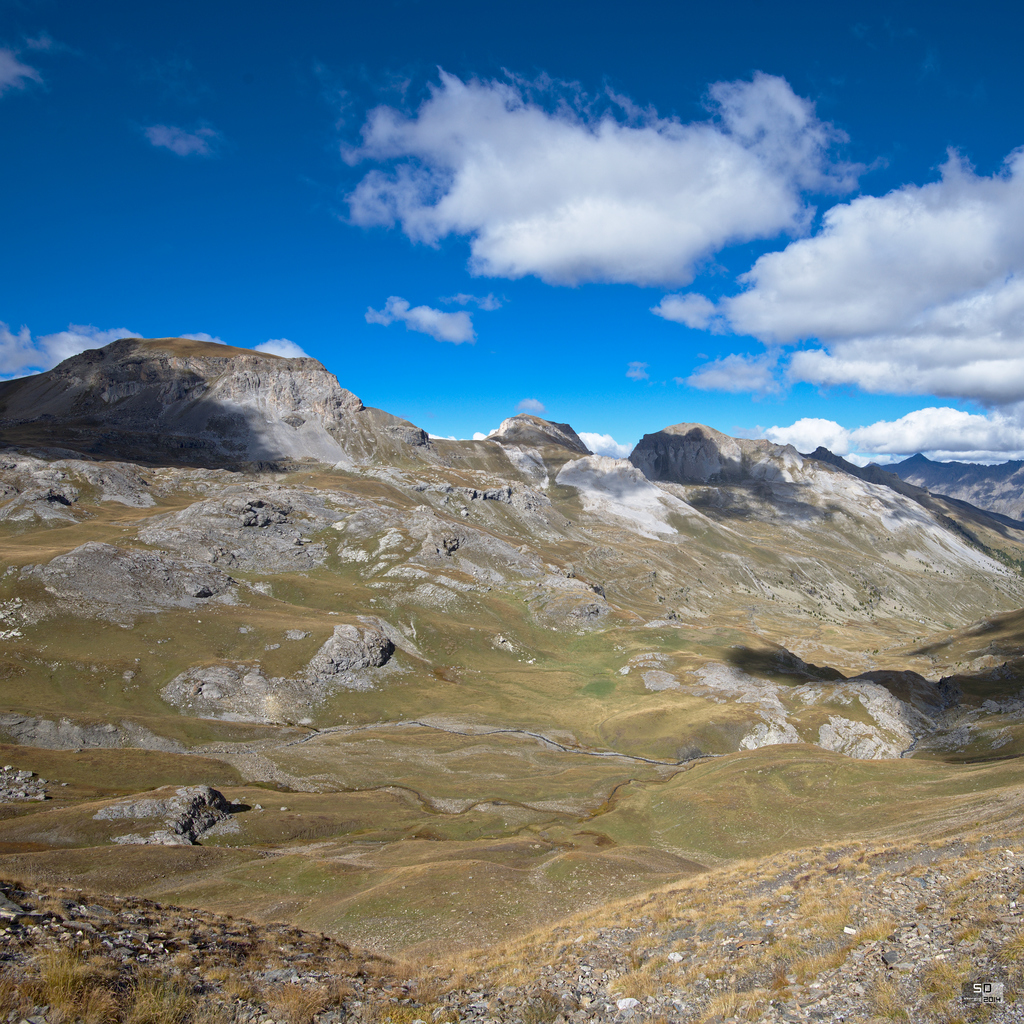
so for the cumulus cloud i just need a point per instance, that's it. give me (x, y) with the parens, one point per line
(477, 436)
(13, 73)
(203, 336)
(282, 347)
(549, 184)
(487, 302)
(637, 371)
(184, 143)
(940, 433)
(693, 310)
(605, 444)
(21, 353)
(920, 291)
(531, 405)
(736, 373)
(453, 327)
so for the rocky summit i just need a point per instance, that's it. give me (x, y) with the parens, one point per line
(675, 736)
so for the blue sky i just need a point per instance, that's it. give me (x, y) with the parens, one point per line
(799, 221)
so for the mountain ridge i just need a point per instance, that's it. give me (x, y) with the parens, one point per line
(570, 671)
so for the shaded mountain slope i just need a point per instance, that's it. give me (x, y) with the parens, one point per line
(995, 488)
(171, 400)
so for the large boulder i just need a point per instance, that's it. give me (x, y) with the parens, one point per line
(348, 650)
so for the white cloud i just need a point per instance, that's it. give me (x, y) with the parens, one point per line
(637, 371)
(282, 347)
(920, 291)
(605, 444)
(20, 353)
(477, 436)
(693, 310)
(488, 302)
(203, 336)
(453, 327)
(941, 433)
(809, 433)
(570, 193)
(184, 143)
(531, 405)
(736, 373)
(14, 74)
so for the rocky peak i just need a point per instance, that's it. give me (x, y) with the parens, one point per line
(691, 453)
(197, 402)
(532, 430)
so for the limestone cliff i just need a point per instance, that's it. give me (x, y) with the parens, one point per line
(690, 453)
(198, 403)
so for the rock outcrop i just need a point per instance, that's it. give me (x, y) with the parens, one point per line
(262, 529)
(349, 650)
(120, 583)
(187, 814)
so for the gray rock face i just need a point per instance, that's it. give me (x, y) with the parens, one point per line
(690, 453)
(191, 811)
(121, 583)
(171, 398)
(32, 489)
(532, 430)
(67, 735)
(349, 649)
(262, 529)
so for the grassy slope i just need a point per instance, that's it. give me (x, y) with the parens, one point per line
(408, 813)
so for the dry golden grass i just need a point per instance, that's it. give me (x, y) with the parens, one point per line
(887, 1002)
(155, 1000)
(76, 988)
(297, 1003)
(1013, 948)
(724, 1005)
(941, 983)
(877, 929)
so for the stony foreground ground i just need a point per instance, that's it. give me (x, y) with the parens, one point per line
(861, 933)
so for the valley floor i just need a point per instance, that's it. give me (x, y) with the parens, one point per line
(859, 932)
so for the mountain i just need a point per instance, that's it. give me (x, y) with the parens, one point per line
(412, 659)
(189, 402)
(995, 488)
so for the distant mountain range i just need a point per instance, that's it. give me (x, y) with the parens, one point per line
(996, 488)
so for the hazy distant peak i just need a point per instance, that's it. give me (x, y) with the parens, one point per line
(532, 430)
